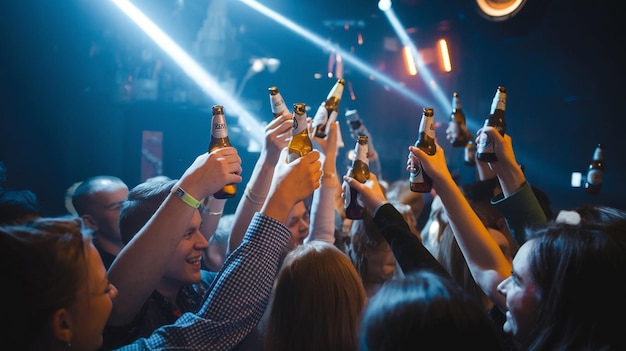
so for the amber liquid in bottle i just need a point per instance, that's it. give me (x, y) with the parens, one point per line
(419, 181)
(359, 171)
(327, 112)
(300, 143)
(457, 122)
(485, 149)
(219, 139)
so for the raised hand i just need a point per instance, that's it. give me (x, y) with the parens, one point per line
(277, 134)
(370, 193)
(292, 182)
(507, 169)
(211, 171)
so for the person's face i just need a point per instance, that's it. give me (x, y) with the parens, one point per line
(184, 266)
(381, 264)
(521, 294)
(298, 223)
(93, 308)
(106, 212)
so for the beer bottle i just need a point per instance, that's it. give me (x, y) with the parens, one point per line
(219, 139)
(359, 171)
(485, 150)
(457, 122)
(327, 112)
(470, 153)
(300, 143)
(595, 173)
(420, 182)
(276, 102)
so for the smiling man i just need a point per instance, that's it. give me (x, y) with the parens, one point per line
(182, 285)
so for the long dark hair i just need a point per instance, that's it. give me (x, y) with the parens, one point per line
(578, 270)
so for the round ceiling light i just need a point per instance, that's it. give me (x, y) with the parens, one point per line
(499, 10)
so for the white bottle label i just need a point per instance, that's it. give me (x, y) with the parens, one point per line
(417, 174)
(485, 144)
(321, 116)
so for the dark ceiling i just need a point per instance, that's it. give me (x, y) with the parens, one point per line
(66, 111)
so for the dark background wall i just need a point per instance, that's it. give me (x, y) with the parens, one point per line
(64, 116)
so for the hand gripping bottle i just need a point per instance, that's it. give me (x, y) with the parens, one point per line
(419, 181)
(359, 171)
(219, 139)
(485, 149)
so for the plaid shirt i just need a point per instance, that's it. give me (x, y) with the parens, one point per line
(238, 297)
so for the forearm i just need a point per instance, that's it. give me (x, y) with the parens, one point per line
(521, 210)
(481, 252)
(323, 213)
(252, 200)
(406, 246)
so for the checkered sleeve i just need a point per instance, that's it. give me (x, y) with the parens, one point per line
(238, 297)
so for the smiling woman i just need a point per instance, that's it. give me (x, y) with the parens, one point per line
(59, 294)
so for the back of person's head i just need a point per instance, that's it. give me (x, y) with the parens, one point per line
(575, 266)
(82, 196)
(317, 301)
(142, 202)
(43, 269)
(18, 206)
(425, 311)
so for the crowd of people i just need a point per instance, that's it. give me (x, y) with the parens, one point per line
(160, 266)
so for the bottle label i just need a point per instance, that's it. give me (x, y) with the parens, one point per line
(321, 117)
(277, 104)
(417, 173)
(331, 119)
(351, 194)
(299, 123)
(595, 176)
(485, 144)
(219, 130)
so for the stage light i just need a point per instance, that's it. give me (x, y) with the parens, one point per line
(500, 10)
(409, 61)
(205, 81)
(425, 73)
(444, 55)
(384, 5)
(346, 56)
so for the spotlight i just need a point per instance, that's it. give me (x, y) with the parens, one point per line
(384, 5)
(499, 10)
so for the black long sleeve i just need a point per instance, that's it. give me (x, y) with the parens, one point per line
(406, 246)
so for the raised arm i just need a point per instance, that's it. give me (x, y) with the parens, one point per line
(486, 261)
(277, 133)
(241, 290)
(517, 202)
(211, 212)
(141, 263)
(323, 204)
